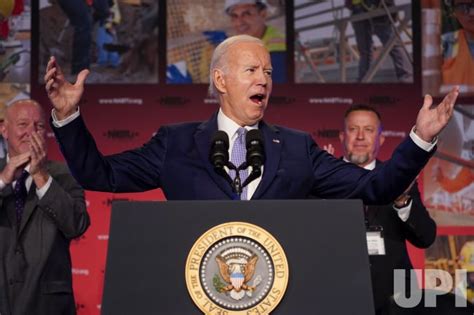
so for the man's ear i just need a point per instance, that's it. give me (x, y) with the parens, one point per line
(219, 80)
(341, 137)
(381, 139)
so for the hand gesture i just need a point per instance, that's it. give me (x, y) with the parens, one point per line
(38, 159)
(329, 148)
(13, 167)
(431, 120)
(63, 95)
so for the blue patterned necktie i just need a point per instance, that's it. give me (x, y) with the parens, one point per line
(19, 191)
(238, 156)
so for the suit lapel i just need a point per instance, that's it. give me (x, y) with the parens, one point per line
(30, 205)
(273, 145)
(8, 204)
(203, 138)
(5, 194)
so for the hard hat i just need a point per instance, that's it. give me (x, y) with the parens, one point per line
(230, 3)
(6, 8)
(466, 256)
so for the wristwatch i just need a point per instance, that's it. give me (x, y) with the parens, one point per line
(406, 202)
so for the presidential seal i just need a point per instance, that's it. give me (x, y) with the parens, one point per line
(236, 268)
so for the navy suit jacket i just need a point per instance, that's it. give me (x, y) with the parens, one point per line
(177, 160)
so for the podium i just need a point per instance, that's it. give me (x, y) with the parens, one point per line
(324, 242)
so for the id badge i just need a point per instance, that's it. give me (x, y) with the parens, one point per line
(375, 241)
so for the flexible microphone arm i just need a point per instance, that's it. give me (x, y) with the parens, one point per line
(256, 172)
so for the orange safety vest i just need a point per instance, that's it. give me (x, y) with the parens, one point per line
(459, 69)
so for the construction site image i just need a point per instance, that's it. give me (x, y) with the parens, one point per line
(448, 178)
(195, 28)
(117, 40)
(15, 41)
(353, 41)
(448, 54)
(450, 253)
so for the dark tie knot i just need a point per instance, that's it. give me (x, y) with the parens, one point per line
(20, 188)
(23, 176)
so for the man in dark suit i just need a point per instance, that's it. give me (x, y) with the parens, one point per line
(388, 226)
(42, 209)
(177, 157)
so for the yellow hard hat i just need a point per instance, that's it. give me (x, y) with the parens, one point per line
(466, 256)
(6, 8)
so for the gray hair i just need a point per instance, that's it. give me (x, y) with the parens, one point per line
(219, 60)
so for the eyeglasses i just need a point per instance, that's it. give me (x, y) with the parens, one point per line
(464, 8)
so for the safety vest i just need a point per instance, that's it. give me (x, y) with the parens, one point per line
(458, 65)
(274, 40)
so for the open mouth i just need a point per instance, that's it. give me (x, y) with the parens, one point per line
(257, 98)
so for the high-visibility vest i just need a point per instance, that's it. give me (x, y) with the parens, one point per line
(458, 65)
(273, 39)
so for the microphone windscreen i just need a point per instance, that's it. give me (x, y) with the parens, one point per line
(253, 137)
(221, 138)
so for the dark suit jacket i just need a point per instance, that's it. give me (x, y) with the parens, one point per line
(177, 160)
(419, 230)
(35, 264)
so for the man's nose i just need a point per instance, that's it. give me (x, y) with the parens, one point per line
(360, 134)
(262, 78)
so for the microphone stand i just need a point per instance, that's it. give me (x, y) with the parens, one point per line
(236, 184)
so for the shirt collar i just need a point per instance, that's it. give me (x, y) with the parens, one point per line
(369, 166)
(229, 126)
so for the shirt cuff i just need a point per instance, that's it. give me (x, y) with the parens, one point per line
(61, 123)
(427, 146)
(42, 191)
(2, 184)
(404, 213)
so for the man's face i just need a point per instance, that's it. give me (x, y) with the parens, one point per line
(246, 84)
(21, 121)
(465, 18)
(246, 19)
(361, 137)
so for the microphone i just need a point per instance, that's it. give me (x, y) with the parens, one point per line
(219, 154)
(219, 157)
(255, 154)
(255, 150)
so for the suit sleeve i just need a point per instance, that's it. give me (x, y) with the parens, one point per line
(420, 228)
(64, 204)
(334, 178)
(129, 171)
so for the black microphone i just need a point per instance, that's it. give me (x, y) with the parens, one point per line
(255, 150)
(219, 157)
(219, 154)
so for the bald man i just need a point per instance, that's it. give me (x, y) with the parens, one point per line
(42, 209)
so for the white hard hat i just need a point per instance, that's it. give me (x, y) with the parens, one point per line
(230, 3)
